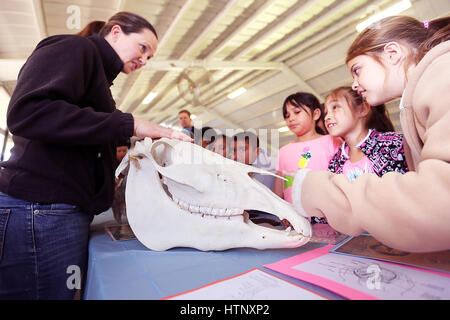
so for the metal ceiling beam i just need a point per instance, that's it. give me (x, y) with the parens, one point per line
(325, 69)
(192, 46)
(269, 107)
(38, 11)
(273, 27)
(180, 65)
(335, 28)
(290, 73)
(249, 20)
(121, 6)
(244, 25)
(255, 100)
(219, 116)
(224, 91)
(327, 16)
(213, 24)
(295, 79)
(161, 43)
(223, 96)
(173, 105)
(311, 26)
(263, 35)
(340, 25)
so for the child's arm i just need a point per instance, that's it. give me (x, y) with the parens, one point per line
(278, 186)
(405, 211)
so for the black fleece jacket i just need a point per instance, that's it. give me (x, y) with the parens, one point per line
(65, 125)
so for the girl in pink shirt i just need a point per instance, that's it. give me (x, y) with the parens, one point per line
(311, 149)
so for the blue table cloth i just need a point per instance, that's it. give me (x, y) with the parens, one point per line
(122, 270)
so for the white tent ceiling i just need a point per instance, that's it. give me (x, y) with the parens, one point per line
(271, 47)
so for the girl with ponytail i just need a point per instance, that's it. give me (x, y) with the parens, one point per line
(370, 145)
(396, 57)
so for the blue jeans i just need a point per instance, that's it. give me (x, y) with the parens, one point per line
(43, 249)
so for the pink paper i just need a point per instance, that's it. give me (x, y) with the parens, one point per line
(284, 266)
(427, 284)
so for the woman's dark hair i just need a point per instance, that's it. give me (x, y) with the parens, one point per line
(91, 28)
(303, 100)
(128, 22)
(378, 117)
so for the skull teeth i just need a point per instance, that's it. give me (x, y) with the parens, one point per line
(220, 212)
(228, 213)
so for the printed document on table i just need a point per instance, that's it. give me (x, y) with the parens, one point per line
(254, 284)
(362, 278)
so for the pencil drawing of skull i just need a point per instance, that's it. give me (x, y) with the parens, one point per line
(179, 194)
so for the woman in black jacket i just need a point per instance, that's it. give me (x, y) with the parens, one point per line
(61, 171)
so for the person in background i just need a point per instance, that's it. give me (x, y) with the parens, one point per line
(311, 148)
(396, 57)
(65, 126)
(221, 145)
(118, 205)
(205, 137)
(370, 143)
(184, 116)
(122, 149)
(246, 150)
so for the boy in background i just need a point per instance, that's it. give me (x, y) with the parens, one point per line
(118, 205)
(247, 150)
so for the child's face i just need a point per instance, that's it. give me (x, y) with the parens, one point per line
(368, 78)
(220, 147)
(339, 118)
(300, 120)
(376, 82)
(244, 153)
(121, 152)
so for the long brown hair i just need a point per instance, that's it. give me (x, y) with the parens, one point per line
(128, 22)
(419, 36)
(378, 117)
(91, 28)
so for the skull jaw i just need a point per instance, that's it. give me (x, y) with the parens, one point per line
(209, 234)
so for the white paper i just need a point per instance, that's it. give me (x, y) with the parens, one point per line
(379, 279)
(253, 285)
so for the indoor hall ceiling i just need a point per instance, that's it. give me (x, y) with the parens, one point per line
(271, 47)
